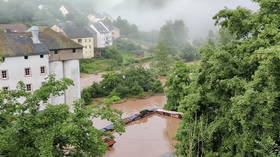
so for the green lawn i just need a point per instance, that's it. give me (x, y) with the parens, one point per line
(93, 66)
(97, 65)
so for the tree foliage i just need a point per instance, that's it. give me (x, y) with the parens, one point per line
(231, 104)
(163, 59)
(174, 34)
(27, 130)
(130, 82)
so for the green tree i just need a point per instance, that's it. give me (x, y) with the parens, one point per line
(162, 60)
(232, 103)
(133, 81)
(25, 130)
(175, 33)
(177, 83)
(126, 29)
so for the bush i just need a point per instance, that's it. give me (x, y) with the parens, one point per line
(130, 82)
(113, 53)
(87, 95)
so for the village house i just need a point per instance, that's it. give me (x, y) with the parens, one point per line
(114, 30)
(81, 35)
(103, 36)
(32, 56)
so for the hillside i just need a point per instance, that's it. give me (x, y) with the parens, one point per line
(41, 12)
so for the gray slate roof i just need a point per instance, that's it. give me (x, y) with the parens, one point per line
(57, 41)
(73, 31)
(21, 44)
(100, 28)
(108, 24)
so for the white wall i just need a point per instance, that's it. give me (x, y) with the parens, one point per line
(16, 66)
(56, 68)
(62, 69)
(100, 41)
(72, 71)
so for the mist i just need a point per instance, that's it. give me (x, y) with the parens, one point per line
(151, 15)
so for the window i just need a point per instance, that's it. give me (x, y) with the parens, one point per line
(55, 52)
(25, 57)
(89, 47)
(27, 72)
(5, 88)
(43, 70)
(4, 74)
(41, 56)
(28, 87)
(79, 40)
(74, 50)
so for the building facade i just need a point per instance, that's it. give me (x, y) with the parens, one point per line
(32, 57)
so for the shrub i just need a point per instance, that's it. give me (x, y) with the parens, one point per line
(113, 53)
(130, 82)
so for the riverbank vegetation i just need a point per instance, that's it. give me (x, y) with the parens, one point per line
(230, 100)
(134, 81)
(123, 53)
(26, 130)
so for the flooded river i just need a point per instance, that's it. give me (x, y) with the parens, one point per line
(149, 137)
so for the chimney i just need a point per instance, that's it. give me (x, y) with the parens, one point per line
(35, 34)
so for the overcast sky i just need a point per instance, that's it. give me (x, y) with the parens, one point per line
(197, 14)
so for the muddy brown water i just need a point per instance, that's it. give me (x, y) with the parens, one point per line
(149, 137)
(88, 79)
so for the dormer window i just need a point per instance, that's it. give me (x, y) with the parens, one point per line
(25, 57)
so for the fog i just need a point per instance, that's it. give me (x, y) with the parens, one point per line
(149, 15)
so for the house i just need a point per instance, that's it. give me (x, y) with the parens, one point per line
(63, 11)
(114, 30)
(103, 36)
(32, 56)
(81, 35)
(13, 27)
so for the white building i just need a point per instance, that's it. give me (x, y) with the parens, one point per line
(31, 57)
(104, 36)
(63, 11)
